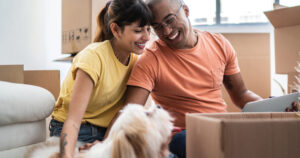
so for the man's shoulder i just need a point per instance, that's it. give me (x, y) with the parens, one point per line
(155, 48)
(207, 34)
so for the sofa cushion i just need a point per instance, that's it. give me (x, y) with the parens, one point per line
(24, 103)
(22, 134)
(17, 152)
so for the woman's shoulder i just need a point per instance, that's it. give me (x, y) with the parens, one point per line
(98, 45)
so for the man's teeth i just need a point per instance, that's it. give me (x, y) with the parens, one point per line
(174, 36)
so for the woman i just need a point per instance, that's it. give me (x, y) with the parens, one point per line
(92, 93)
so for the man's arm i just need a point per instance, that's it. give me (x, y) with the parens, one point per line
(237, 90)
(136, 95)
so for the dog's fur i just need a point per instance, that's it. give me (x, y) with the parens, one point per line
(137, 133)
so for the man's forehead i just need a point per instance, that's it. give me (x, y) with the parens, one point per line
(162, 9)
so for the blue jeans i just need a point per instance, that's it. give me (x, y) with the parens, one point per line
(177, 145)
(88, 133)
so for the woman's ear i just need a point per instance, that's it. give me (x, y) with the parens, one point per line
(116, 30)
(186, 10)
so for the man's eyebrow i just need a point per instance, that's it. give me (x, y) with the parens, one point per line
(166, 17)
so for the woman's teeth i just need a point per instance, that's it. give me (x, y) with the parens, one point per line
(140, 45)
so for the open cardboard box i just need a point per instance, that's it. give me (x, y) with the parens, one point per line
(243, 135)
(286, 22)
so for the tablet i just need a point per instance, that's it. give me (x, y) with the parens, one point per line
(276, 104)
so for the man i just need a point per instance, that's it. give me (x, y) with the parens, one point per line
(184, 69)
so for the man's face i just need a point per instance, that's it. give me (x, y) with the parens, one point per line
(171, 23)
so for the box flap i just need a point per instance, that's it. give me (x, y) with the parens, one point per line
(284, 17)
(203, 129)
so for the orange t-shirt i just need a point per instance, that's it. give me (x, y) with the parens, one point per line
(187, 80)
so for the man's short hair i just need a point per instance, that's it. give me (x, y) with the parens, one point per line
(151, 3)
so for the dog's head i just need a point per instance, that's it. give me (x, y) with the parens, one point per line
(141, 132)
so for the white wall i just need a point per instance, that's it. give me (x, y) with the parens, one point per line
(30, 34)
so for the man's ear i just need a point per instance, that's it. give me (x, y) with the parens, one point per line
(186, 10)
(116, 30)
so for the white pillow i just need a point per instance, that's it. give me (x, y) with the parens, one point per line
(24, 103)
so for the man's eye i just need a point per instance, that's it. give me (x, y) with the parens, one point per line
(137, 31)
(170, 20)
(156, 27)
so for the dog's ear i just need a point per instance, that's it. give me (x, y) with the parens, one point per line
(127, 145)
(121, 147)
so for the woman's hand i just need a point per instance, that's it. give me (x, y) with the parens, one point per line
(87, 146)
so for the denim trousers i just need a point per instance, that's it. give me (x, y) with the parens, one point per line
(88, 133)
(177, 145)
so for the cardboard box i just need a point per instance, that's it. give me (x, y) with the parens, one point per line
(253, 53)
(292, 81)
(243, 135)
(12, 73)
(79, 23)
(286, 22)
(48, 79)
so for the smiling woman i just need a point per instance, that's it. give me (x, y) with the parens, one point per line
(93, 91)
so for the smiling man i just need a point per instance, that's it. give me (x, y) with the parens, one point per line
(185, 68)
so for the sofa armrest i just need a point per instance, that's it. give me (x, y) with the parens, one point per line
(24, 103)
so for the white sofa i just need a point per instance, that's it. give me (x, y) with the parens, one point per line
(23, 112)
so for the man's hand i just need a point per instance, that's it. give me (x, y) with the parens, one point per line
(294, 107)
(87, 146)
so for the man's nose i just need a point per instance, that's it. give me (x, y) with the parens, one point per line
(167, 30)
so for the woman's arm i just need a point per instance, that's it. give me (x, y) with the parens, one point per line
(135, 95)
(82, 91)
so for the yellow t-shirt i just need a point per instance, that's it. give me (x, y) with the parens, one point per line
(109, 76)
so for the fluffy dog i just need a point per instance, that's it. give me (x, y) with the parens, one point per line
(137, 133)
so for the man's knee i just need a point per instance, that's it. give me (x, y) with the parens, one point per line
(177, 145)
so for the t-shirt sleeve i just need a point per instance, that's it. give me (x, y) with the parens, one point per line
(232, 66)
(144, 72)
(89, 62)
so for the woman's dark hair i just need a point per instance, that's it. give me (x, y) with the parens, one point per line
(121, 12)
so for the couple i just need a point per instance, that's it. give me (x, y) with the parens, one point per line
(183, 70)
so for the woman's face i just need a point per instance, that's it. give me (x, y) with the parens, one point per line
(133, 38)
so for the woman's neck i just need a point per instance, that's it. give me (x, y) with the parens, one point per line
(122, 55)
